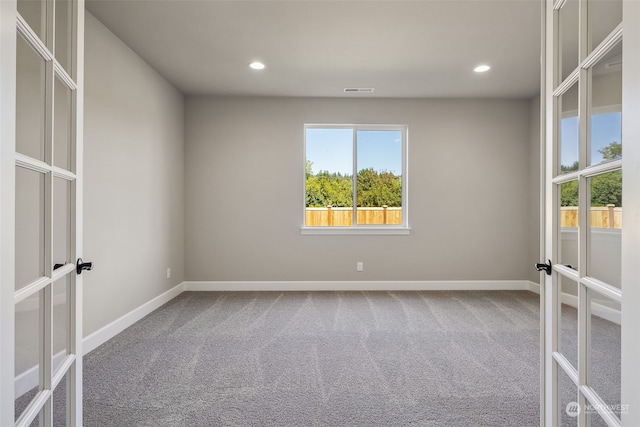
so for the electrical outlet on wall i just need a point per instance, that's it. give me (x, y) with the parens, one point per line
(359, 266)
(168, 273)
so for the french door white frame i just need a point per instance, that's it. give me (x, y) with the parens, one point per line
(70, 366)
(630, 352)
(7, 206)
(631, 197)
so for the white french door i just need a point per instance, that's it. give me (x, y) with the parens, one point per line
(583, 292)
(42, 216)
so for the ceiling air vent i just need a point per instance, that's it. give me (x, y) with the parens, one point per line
(614, 64)
(358, 89)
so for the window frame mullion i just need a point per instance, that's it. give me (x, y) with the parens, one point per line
(354, 177)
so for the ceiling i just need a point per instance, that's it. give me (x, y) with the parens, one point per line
(317, 48)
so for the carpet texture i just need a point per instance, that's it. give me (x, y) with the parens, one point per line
(322, 359)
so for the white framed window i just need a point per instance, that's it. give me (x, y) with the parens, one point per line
(355, 179)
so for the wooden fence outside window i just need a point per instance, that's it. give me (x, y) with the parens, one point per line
(601, 217)
(343, 217)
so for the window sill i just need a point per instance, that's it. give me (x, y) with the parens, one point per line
(351, 231)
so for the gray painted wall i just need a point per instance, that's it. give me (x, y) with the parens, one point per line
(224, 175)
(134, 180)
(470, 201)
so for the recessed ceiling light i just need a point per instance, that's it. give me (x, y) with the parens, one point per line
(482, 68)
(257, 65)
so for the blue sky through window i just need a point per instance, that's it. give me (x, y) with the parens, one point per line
(605, 129)
(380, 150)
(332, 150)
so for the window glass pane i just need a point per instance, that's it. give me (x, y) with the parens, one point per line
(568, 396)
(594, 419)
(60, 402)
(60, 320)
(569, 223)
(27, 351)
(605, 16)
(33, 11)
(569, 131)
(61, 222)
(39, 416)
(605, 349)
(379, 183)
(604, 253)
(606, 127)
(569, 19)
(29, 101)
(568, 320)
(329, 177)
(63, 33)
(62, 126)
(606, 108)
(29, 226)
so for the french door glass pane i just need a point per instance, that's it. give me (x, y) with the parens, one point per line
(594, 419)
(605, 16)
(605, 229)
(379, 181)
(568, 399)
(27, 350)
(36, 420)
(569, 19)
(29, 226)
(33, 11)
(569, 131)
(569, 223)
(60, 403)
(60, 320)
(62, 125)
(605, 349)
(30, 95)
(63, 33)
(606, 108)
(568, 322)
(61, 221)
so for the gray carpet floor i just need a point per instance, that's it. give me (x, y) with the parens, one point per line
(322, 359)
(335, 359)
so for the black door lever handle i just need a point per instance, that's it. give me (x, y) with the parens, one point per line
(80, 266)
(546, 267)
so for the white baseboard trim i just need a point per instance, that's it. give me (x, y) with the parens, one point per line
(471, 285)
(607, 313)
(534, 287)
(104, 334)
